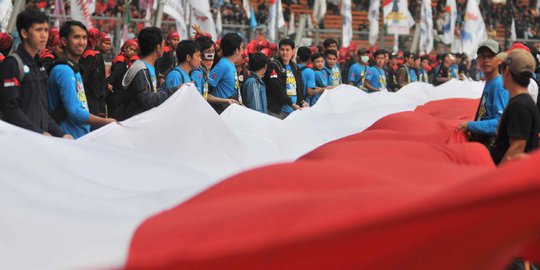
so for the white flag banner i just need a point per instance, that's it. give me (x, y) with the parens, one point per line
(346, 13)
(426, 27)
(397, 17)
(175, 9)
(449, 22)
(474, 29)
(319, 10)
(201, 15)
(91, 6)
(80, 12)
(513, 35)
(219, 24)
(6, 8)
(247, 8)
(272, 20)
(373, 16)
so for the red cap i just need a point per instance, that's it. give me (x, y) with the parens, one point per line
(313, 49)
(264, 44)
(105, 36)
(5, 41)
(173, 34)
(94, 35)
(518, 45)
(266, 52)
(273, 47)
(130, 43)
(352, 46)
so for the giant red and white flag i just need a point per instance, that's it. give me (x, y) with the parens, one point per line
(349, 183)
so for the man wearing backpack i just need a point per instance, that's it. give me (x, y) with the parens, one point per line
(67, 97)
(308, 74)
(188, 53)
(23, 80)
(284, 83)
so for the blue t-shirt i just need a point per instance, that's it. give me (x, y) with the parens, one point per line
(321, 80)
(454, 69)
(308, 78)
(290, 88)
(329, 78)
(412, 75)
(224, 79)
(492, 104)
(376, 77)
(66, 87)
(357, 74)
(176, 77)
(199, 78)
(152, 71)
(422, 75)
(336, 75)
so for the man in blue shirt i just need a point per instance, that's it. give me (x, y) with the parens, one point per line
(422, 72)
(254, 88)
(188, 54)
(357, 72)
(376, 76)
(331, 67)
(67, 97)
(140, 80)
(494, 97)
(308, 75)
(321, 78)
(223, 79)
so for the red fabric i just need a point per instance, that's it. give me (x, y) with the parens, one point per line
(46, 53)
(89, 52)
(5, 41)
(359, 204)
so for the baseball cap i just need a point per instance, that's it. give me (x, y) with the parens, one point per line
(491, 44)
(172, 35)
(518, 61)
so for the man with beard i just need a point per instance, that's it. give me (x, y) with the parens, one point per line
(67, 97)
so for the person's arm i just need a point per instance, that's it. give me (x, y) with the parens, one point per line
(54, 129)
(516, 148)
(367, 81)
(401, 77)
(250, 88)
(148, 99)
(118, 69)
(64, 78)
(489, 126)
(274, 85)
(10, 88)
(354, 75)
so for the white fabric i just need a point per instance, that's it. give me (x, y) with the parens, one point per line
(533, 89)
(513, 34)
(272, 20)
(201, 15)
(426, 28)
(346, 12)
(176, 9)
(373, 15)
(75, 204)
(397, 17)
(319, 10)
(80, 12)
(6, 8)
(474, 29)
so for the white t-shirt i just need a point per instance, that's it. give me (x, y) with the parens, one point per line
(533, 89)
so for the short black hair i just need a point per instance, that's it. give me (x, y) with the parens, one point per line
(304, 54)
(330, 52)
(378, 52)
(65, 29)
(407, 54)
(329, 41)
(149, 38)
(204, 42)
(185, 48)
(425, 57)
(230, 42)
(257, 61)
(28, 17)
(286, 42)
(316, 56)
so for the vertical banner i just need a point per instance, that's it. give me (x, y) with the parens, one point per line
(474, 29)
(273, 35)
(346, 13)
(397, 17)
(292, 25)
(6, 8)
(58, 11)
(449, 22)
(175, 9)
(426, 27)
(513, 35)
(201, 15)
(373, 17)
(319, 10)
(80, 12)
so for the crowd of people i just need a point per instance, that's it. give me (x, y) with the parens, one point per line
(56, 83)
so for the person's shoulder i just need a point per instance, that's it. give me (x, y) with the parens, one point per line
(62, 69)
(89, 53)
(119, 58)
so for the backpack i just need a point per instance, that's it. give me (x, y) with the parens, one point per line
(60, 114)
(20, 65)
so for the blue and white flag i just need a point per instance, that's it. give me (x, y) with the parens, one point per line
(426, 27)
(373, 17)
(449, 22)
(474, 29)
(6, 7)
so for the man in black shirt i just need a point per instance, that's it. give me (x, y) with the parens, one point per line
(520, 122)
(23, 79)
